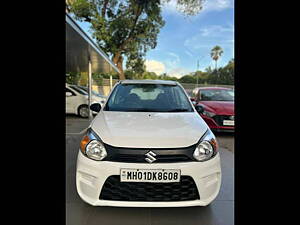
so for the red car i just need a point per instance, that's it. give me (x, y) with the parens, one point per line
(216, 107)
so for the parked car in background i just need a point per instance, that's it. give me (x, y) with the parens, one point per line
(217, 107)
(103, 97)
(77, 101)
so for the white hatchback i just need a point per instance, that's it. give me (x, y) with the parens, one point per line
(148, 147)
(77, 100)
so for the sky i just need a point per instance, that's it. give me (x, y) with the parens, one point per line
(184, 40)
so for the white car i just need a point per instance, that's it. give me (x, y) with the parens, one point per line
(148, 147)
(77, 100)
(103, 98)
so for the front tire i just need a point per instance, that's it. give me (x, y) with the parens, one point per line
(83, 111)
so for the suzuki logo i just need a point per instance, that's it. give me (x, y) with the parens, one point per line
(150, 157)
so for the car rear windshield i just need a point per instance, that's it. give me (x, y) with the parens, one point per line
(217, 95)
(148, 98)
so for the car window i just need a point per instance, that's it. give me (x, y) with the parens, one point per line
(79, 90)
(69, 90)
(148, 98)
(217, 95)
(87, 90)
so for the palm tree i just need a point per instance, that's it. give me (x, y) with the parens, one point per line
(216, 53)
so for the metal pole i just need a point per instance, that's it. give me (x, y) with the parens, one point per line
(110, 80)
(90, 89)
(197, 70)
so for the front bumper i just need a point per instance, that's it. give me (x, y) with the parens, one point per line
(91, 175)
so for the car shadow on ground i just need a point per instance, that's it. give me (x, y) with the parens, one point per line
(155, 216)
(72, 116)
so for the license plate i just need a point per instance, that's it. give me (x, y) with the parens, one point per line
(150, 175)
(228, 122)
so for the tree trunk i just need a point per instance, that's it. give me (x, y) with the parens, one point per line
(120, 67)
(103, 11)
(118, 61)
(117, 58)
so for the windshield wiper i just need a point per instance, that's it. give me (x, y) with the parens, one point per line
(147, 110)
(141, 110)
(179, 110)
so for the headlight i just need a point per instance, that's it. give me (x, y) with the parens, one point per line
(209, 114)
(92, 147)
(207, 147)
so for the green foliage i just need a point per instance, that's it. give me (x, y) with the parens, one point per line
(187, 79)
(223, 75)
(189, 7)
(97, 78)
(216, 53)
(136, 64)
(130, 74)
(72, 78)
(165, 77)
(83, 80)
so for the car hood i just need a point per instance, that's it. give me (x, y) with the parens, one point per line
(149, 130)
(220, 107)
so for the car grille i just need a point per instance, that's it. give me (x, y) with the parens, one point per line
(137, 155)
(219, 119)
(160, 158)
(115, 190)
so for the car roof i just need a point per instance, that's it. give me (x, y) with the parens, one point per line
(166, 82)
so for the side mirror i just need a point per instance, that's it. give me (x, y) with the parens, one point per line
(96, 107)
(68, 94)
(193, 101)
(199, 108)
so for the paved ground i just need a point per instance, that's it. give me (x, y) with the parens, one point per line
(220, 212)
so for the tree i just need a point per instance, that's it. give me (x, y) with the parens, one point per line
(188, 7)
(136, 64)
(72, 78)
(223, 75)
(187, 79)
(216, 53)
(126, 28)
(227, 73)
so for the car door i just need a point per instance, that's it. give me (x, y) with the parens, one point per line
(70, 101)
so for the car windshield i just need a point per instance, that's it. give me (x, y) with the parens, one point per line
(217, 95)
(148, 98)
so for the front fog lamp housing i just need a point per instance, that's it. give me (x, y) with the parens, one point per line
(207, 147)
(92, 147)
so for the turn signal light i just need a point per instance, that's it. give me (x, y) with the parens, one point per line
(85, 140)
